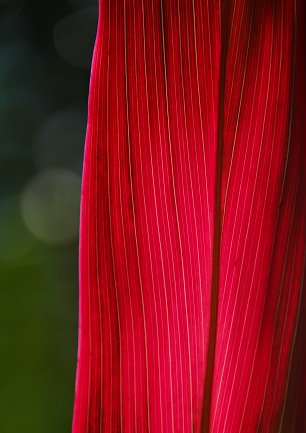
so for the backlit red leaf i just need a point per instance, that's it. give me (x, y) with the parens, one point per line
(192, 244)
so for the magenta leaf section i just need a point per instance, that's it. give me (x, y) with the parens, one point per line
(192, 240)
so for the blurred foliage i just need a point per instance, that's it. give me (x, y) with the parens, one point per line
(45, 52)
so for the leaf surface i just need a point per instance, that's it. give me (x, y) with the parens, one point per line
(192, 241)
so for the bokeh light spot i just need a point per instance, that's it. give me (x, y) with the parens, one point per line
(74, 36)
(60, 141)
(50, 205)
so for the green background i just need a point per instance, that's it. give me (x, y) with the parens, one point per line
(45, 53)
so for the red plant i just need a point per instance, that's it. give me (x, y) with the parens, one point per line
(192, 246)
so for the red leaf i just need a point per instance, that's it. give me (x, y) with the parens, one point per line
(192, 244)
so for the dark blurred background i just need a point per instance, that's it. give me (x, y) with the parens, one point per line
(45, 54)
